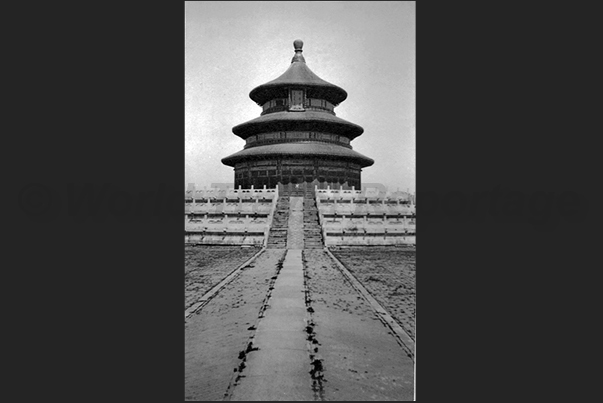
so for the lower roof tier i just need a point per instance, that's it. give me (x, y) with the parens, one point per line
(307, 149)
(306, 120)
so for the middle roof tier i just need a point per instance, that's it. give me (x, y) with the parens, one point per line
(306, 120)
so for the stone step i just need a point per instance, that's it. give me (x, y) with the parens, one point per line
(277, 237)
(312, 229)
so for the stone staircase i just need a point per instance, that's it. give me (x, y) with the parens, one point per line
(312, 229)
(277, 237)
(312, 232)
(296, 192)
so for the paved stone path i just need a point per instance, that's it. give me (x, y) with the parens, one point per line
(214, 336)
(279, 369)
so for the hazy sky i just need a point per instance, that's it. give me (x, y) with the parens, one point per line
(366, 48)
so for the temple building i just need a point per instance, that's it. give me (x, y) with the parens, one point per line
(298, 141)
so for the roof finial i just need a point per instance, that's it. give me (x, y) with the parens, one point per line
(298, 44)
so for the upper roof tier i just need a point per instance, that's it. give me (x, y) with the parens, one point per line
(298, 74)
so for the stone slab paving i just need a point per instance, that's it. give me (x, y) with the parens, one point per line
(215, 335)
(362, 359)
(279, 369)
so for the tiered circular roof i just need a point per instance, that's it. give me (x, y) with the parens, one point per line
(298, 75)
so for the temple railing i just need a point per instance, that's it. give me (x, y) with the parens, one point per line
(352, 217)
(229, 216)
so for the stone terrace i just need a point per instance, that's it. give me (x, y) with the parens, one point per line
(353, 217)
(234, 346)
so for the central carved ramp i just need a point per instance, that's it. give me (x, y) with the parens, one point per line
(279, 369)
(295, 236)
